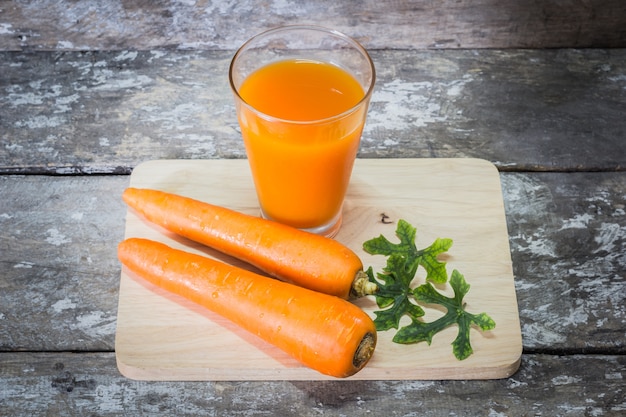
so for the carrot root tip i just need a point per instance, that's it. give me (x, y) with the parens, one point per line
(362, 286)
(364, 351)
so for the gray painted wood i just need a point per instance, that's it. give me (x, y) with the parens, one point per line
(567, 236)
(59, 272)
(89, 384)
(104, 112)
(118, 25)
(98, 87)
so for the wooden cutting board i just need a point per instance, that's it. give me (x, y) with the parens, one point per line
(164, 337)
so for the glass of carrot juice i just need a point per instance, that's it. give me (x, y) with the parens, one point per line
(301, 94)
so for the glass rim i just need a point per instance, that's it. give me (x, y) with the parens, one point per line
(336, 33)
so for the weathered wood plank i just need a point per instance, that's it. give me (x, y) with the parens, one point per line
(59, 274)
(100, 112)
(152, 84)
(115, 25)
(59, 271)
(568, 240)
(88, 384)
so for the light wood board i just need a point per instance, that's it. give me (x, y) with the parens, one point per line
(163, 337)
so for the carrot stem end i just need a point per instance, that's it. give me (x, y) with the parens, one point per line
(362, 286)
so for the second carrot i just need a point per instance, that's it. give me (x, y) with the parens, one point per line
(302, 258)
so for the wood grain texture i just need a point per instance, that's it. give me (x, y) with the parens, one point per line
(160, 337)
(59, 274)
(568, 237)
(54, 384)
(105, 112)
(390, 24)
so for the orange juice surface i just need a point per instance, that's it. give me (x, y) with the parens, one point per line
(302, 131)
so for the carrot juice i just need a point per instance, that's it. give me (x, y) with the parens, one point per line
(301, 94)
(302, 147)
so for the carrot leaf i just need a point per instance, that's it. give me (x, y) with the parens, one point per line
(427, 258)
(419, 331)
(394, 290)
(398, 297)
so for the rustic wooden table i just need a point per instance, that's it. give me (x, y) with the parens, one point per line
(88, 90)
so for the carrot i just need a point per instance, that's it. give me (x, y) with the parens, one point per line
(292, 255)
(323, 332)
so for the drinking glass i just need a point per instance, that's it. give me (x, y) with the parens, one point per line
(301, 95)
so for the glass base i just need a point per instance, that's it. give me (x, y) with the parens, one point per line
(329, 229)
